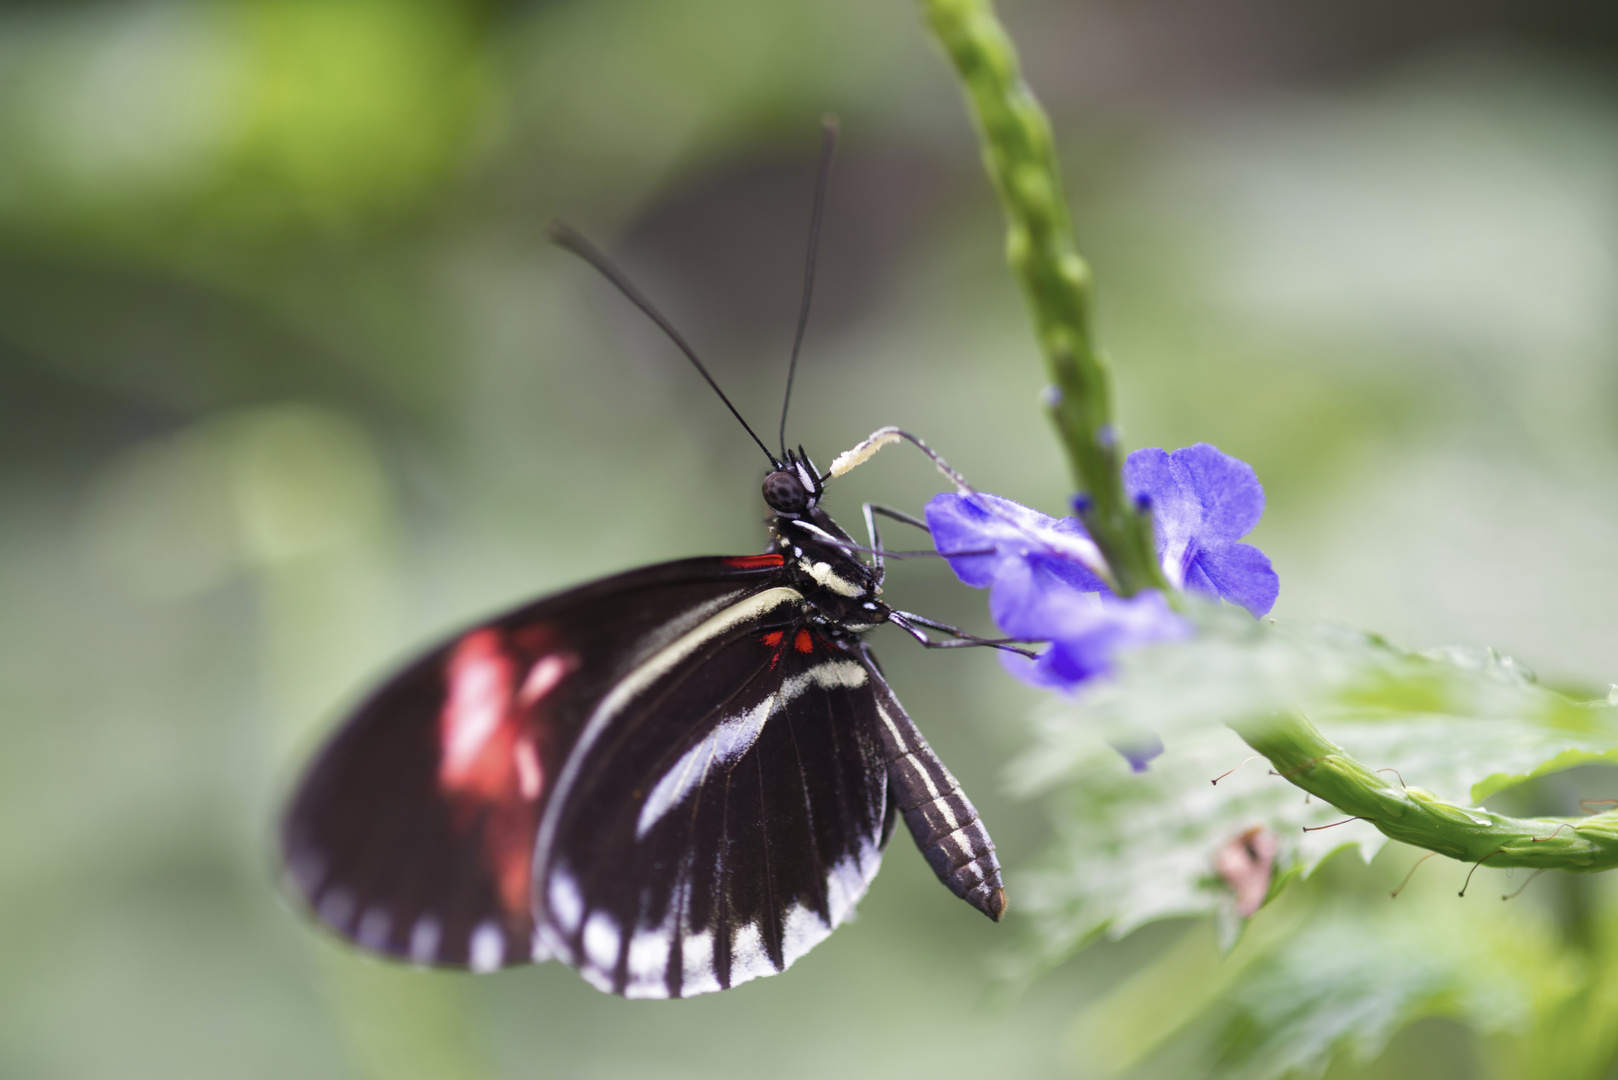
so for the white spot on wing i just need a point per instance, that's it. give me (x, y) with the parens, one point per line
(728, 741)
(735, 736)
(542, 678)
(601, 940)
(336, 907)
(479, 676)
(424, 940)
(848, 879)
(526, 760)
(601, 980)
(638, 681)
(830, 675)
(801, 931)
(696, 961)
(649, 961)
(748, 959)
(488, 947)
(307, 869)
(567, 906)
(374, 927)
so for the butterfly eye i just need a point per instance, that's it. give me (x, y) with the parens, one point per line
(785, 493)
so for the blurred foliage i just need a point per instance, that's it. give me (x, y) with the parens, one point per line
(290, 384)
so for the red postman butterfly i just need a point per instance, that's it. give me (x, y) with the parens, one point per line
(674, 780)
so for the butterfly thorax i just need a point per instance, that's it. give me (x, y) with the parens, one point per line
(839, 589)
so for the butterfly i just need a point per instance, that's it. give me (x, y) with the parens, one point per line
(673, 780)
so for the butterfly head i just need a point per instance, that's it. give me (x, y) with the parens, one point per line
(794, 488)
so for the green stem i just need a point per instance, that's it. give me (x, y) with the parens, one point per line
(1319, 766)
(1021, 159)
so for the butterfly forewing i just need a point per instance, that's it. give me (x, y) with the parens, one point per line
(413, 832)
(723, 820)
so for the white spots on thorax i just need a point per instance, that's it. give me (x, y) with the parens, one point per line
(808, 479)
(424, 938)
(538, 951)
(828, 578)
(487, 948)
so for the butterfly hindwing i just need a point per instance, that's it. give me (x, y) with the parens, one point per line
(413, 832)
(723, 820)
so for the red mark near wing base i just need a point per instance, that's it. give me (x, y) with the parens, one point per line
(802, 641)
(755, 562)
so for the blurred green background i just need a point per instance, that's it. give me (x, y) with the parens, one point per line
(291, 384)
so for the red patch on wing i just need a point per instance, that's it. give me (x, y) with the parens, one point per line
(802, 641)
(755, 562)
(489, 766)
(773, 638)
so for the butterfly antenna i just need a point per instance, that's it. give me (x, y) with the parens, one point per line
(828, 143)
(565, 236)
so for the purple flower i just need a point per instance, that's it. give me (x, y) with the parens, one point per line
(1022, 556)
(1086, 631)
(1203, 501)
(1046, 578)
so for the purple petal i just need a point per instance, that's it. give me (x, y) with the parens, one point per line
(1176, 511)
(1197, 580)
(1241, 574)
(958, 523)
(1088, 632)
(1232, 499)
(1005, 533)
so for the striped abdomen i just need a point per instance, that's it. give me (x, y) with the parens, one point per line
(943, 821)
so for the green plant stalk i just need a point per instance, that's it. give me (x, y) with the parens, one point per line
(1308, 759)
(1020, 156)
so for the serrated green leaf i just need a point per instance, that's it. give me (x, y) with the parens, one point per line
(1130, 849)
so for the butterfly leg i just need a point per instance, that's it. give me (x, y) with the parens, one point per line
(959, 639)
(896, 515)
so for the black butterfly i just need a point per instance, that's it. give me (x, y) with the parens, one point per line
(674, 780)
